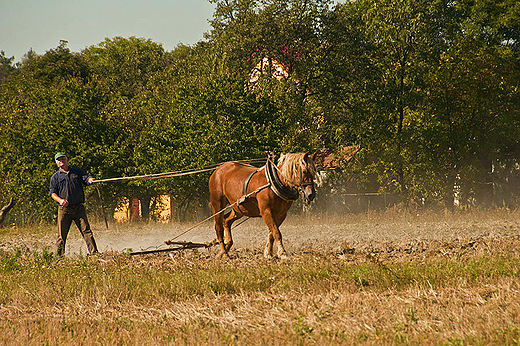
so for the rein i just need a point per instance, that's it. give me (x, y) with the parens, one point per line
(172, 174)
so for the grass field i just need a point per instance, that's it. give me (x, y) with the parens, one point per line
(393, 278)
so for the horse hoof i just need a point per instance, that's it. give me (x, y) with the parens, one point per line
(224, 256)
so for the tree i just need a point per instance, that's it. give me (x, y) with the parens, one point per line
(123, 68)
(124, 65)
(473, 102)
(203, 116)
(6, 67)
(288, 33)
(48, 106)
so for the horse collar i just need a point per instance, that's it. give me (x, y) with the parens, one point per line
(276, 184)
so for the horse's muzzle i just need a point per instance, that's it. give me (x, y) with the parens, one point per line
(309, 195)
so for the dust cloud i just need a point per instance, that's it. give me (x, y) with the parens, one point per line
(311, 232)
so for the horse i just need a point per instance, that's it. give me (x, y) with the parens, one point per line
(266, 192)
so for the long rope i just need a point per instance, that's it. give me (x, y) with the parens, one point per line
(173, 174)
(155, 176)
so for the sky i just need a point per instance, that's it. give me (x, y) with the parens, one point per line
(41, 24)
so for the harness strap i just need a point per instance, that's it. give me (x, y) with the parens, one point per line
(246, 183)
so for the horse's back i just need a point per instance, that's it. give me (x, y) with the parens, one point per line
(229, 175)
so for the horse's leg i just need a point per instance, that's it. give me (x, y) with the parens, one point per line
(228, 221)
(281, 249)
(217, 205)
(268, 252)
(274, 236)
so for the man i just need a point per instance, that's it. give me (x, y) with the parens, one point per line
(66, 189)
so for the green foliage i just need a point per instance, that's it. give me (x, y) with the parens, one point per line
(123, 66)
(428, 90)
(49, 106)
(445, 98)
(288, 33)
(6, 67)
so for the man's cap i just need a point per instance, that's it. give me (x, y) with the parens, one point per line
(58, 155)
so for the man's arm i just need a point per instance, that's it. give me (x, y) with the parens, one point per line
(87, 179)
(61, 201)
(54, 192)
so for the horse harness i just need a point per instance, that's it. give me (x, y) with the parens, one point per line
(275, 183)
(246, 183)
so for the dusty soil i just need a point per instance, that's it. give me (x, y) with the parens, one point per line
(391, 233)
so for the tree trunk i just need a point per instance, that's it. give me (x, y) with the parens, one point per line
(400, 121)
(174, 212)
(145, 207)
(5, 210)
(449, 193)
(133, 209)
(485, 195)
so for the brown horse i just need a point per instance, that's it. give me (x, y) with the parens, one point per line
(268, 192)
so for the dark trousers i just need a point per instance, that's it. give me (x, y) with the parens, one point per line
(77, 214)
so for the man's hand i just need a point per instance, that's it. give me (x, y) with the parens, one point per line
(92, 180)
(64, 202)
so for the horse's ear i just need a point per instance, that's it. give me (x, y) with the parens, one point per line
(273, 157)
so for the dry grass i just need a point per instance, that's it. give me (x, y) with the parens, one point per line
(382, 279)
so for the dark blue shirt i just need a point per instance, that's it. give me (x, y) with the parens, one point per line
(69, 186)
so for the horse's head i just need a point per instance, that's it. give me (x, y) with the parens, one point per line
(300, 171)
(307, 179)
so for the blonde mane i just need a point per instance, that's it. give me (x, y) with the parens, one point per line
(290, 166)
